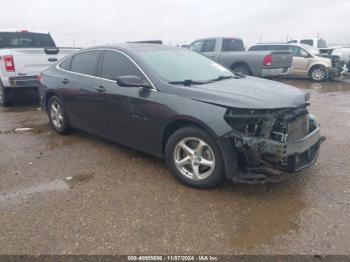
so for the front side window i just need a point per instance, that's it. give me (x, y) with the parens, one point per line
(116, 64)
(197, 46)
(85, 63)
(298, 52)
(179, 65)
(232, 45)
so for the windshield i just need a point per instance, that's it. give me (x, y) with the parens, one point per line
(25, 40)
(180, 65)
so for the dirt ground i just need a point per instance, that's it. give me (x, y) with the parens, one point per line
(79, 194)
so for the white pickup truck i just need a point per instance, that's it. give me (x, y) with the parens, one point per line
(23, 56)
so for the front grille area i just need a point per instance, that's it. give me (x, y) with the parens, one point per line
(291, 125)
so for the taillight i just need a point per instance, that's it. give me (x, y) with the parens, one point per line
(9, 64)
(267, 60)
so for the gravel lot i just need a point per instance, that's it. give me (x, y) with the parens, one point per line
(80, 194)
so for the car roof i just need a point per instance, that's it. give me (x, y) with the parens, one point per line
(134, 47)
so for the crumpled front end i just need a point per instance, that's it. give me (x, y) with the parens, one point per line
(273, 144)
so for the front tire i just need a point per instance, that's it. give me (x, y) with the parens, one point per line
(318, 74)
(57, 115)
(194, 158)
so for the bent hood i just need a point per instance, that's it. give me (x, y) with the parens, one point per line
(248, 92)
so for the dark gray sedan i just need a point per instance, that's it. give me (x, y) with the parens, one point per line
(208, 123)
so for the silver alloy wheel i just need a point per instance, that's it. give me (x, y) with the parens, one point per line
(318, 74)
(56, 115)
(194, 158)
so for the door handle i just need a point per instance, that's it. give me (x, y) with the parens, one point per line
(100, 89)
(65, 81)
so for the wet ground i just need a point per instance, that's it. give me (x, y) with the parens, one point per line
(79, 194)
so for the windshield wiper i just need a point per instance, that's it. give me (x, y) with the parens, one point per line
(223, 77)
(188, 82)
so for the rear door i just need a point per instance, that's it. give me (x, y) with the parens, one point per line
(81, 92)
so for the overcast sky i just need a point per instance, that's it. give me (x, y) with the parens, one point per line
(96, 22)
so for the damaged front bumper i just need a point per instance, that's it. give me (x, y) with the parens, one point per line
(267, 160)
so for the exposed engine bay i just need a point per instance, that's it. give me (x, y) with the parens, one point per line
(272, 143)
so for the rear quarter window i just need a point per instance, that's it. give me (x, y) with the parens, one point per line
(85, 63)
(66, 64)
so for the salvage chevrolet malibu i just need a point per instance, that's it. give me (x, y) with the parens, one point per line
(208, 123)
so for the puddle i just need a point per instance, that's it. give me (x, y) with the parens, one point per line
(334, 86)
(79, 179)
(264, 213)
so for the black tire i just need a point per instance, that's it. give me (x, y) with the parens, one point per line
(217, 172)
(63, 126)
(318, 73)
(4, 96)
(241, 70)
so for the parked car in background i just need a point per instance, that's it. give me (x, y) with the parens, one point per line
(311, 41)
(307, 61)
(230, 53)
(208, 123)
(344, 54)
(23, 55)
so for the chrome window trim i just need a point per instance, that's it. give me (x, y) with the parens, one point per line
(106, 79)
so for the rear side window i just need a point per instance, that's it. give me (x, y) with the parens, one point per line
(116, 64)
(232, 45)
(309, 42)
(65, 65)
(85, 63)
(25, 40)
(208, 46)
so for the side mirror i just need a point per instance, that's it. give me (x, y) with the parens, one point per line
(132, 81)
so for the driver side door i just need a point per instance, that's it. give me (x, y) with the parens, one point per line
(301, 60)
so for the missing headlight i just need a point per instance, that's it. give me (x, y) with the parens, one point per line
(246, 121)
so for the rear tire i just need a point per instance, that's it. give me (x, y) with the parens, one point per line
(241, 70)
(4, 96)
(194, 158)
(57, 115)
(318, 74)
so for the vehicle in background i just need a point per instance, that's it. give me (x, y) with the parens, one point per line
(23, 55)
(159, 42)
(311, 41)
(344, 54)
(307, 61)
(230, 53)
(208, 123)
